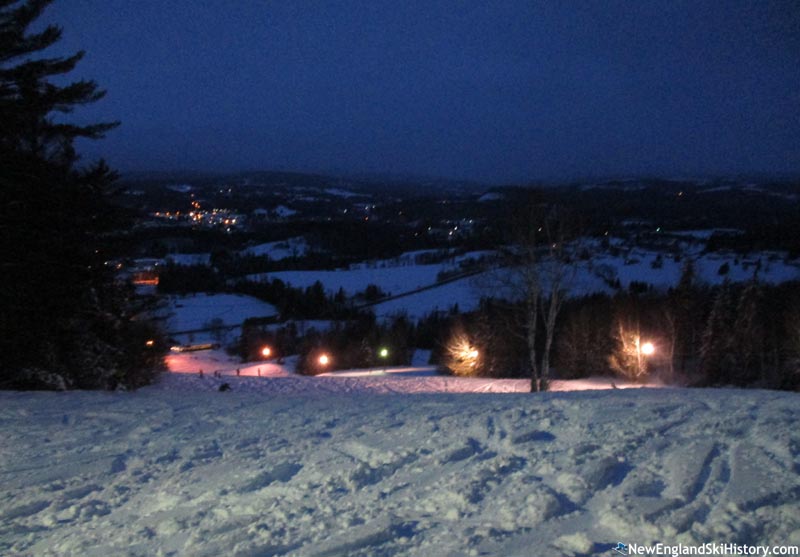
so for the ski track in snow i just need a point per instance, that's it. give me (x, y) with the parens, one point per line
(176, 470)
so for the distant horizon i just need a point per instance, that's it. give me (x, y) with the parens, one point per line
(372, 176)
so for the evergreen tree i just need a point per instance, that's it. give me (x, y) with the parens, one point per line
(790, 376)
(398, 339)
(748, 349)
(585, 339)
(716, 351)
(63, 322)
(680, 313)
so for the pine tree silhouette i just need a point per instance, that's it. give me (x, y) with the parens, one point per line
(63, 323)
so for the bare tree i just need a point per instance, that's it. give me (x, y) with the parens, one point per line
(553, 272)
(537, 272)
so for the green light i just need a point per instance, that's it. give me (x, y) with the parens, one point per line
(384, 352)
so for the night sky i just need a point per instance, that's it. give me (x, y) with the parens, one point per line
(509, 91)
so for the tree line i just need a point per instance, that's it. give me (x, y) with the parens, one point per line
(353, 343)
(745, 334)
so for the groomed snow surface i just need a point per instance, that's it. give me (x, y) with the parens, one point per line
(181, 468)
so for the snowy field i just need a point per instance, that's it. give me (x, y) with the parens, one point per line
(195, 311)
(392, 280)
(291, 247)
(400, 275)
(183, 469)
(188, 258)
(203, 311)
(465, 293)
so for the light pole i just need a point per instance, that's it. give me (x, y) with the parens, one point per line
(383, 353)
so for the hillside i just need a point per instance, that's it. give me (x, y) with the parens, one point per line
(168, 471)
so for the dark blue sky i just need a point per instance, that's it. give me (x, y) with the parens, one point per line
(495, 91)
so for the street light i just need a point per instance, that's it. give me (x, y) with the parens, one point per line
(384, 353)
(266, 351)
(324, 360)
(463, 357)
(645, 349)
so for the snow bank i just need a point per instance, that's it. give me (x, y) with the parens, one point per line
(176, 471)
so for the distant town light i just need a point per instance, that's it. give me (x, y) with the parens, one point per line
(150, 342)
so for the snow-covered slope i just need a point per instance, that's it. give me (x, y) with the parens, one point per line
(168, 471)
